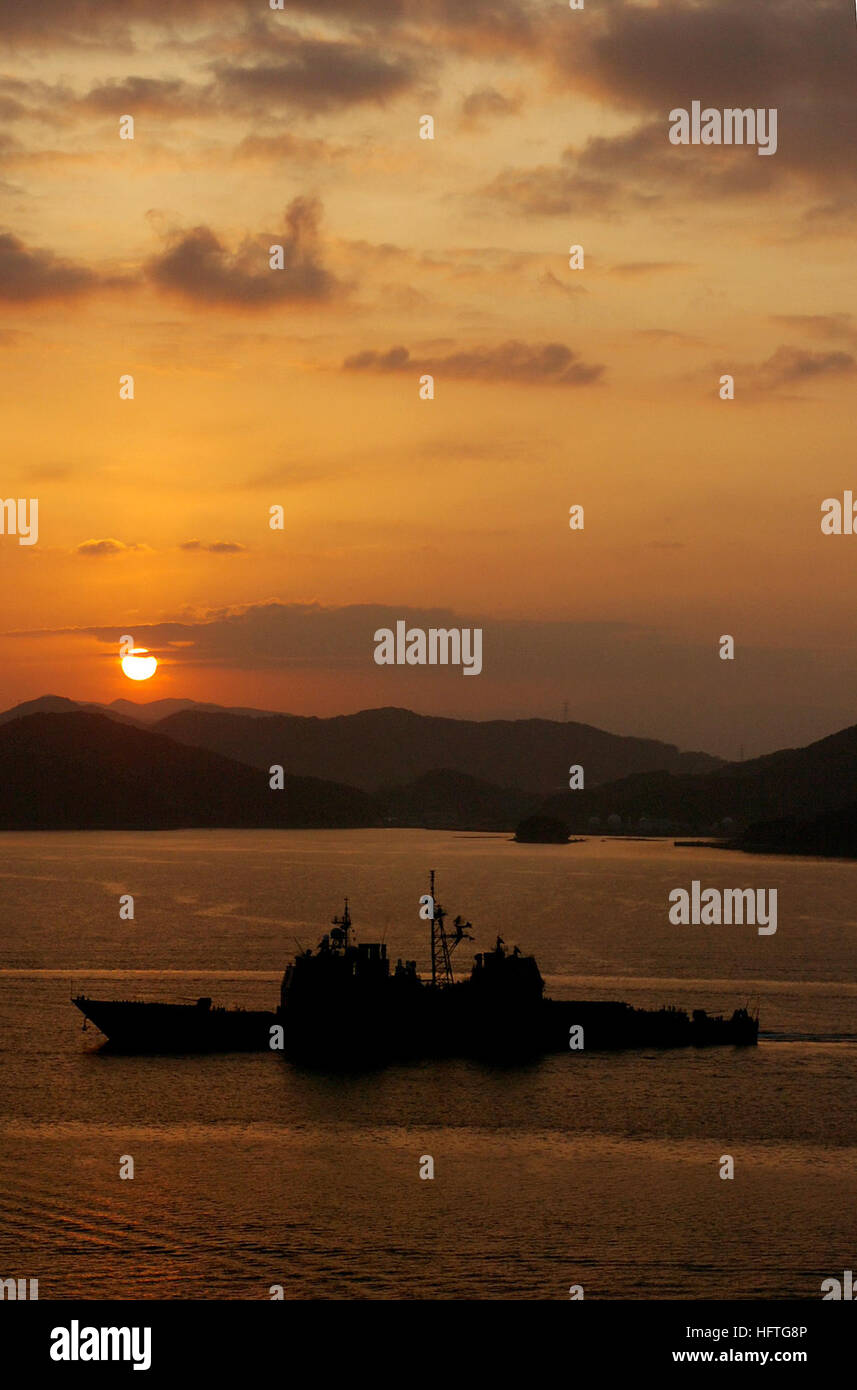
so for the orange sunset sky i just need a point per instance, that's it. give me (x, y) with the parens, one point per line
(599, 387)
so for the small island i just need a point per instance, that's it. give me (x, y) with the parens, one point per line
(543, 830)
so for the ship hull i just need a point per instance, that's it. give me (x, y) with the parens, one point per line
(427, 1023)
(613, 1026)
(131, 1026)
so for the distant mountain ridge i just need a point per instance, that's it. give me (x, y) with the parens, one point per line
(126, 711)
(382, 747)
(63, 766)
(85, 771)
(447, 800)
(389, 746)
(58, 704)
(151, 711)
(798, 784)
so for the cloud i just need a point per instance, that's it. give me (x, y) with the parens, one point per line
(666, 335)
(639, 169)
(32, 99)
(647, 59)
(553, 282)
(106, 547)
(633, 269)
(552, 190)
(292, 72)
(368, 11)
(50, 472)
(94, 23)
(214, 547)
(316, 75)
(198, 266)
(28, 275)
(790, 366)
(395, 360)
(291, 476)
(538, 363)
(276, 635)
(194, 263)
(150, 95)
(487, 103)
(651, 57)
(785, 54)
(834, 327)
(261, 149)
(479, 27)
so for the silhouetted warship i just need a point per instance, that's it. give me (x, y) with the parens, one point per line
(343, 1003)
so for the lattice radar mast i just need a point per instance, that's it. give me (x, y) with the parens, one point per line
(443, 943)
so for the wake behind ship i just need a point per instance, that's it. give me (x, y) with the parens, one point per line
(343, 1003)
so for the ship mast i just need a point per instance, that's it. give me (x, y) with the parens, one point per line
(345, 923)
(442, 944)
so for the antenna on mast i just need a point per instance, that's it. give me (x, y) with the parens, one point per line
(343, 923)
(442, 945)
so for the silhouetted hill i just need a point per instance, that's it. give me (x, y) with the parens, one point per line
(142, 713)
(385, 747)
(58, 704)
(832, 834)
(151, 711)
(46, 704)
(64, 766)
(453, 801)
(797, 783)
(83, 771)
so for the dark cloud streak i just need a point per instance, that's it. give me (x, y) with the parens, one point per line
(551, 364)
(27, 276)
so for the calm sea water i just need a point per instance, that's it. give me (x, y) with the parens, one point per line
(600, 1170)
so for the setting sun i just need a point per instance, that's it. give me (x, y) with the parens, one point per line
(138, 665)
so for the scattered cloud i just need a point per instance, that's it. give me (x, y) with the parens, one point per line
(791, 366)
(316, 75)
(95, 23)
(145, 96)
(538, 363)
(214, 547)
(833, 327)
(666, 335)
(108, 546)
(198, 266)
(49, 472)
(635, 269)
(552, 282)
(487, 104)
(29, 274)
(267, 149)
(639, 169)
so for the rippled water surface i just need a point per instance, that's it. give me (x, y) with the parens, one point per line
(597, 1169)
